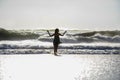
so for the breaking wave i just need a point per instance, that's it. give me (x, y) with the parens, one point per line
(70, 37)
(16, 35)
(74, 42)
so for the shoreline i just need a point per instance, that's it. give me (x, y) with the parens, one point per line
(60, 51)
(64, 67)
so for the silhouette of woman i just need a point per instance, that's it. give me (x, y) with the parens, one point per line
(56, 40)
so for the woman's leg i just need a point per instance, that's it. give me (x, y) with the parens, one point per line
(55, 48)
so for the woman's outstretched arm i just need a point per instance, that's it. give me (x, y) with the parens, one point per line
(63, 33)
(50, 34)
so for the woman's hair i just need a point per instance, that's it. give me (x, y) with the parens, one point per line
(56, 30)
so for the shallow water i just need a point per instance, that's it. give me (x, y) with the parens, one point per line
(64, 67)
(100, 67)
(60, 51)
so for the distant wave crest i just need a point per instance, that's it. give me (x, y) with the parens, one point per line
(16, 35)
(94, 36)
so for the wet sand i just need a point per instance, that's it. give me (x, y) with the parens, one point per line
(64, 67)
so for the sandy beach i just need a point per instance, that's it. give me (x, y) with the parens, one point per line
(64, 67)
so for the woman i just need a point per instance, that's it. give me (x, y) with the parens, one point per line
(56, 40)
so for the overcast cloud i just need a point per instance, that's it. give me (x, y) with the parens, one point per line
(65, 14)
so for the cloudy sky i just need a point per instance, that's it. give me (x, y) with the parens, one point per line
(64, 14)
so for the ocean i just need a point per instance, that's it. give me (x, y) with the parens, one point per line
(84, 55)
(74, 42)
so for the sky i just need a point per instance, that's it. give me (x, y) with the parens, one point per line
(63, 14)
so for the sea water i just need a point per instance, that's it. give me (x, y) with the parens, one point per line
(84, 55)
(74, 42)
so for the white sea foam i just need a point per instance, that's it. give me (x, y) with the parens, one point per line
(86, 42)
(36, 46)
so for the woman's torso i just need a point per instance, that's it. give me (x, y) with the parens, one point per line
(56, 38)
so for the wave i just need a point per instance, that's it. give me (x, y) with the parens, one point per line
(40, 47)
(61, 51)
(106, 33)
(72, 36)
(99, 36)
(35, 44)
(16, 35)
(36, 47)
(79, 39)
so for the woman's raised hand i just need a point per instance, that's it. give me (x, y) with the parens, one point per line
(64, 32)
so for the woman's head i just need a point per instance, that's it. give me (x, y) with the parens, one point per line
(56, 30)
